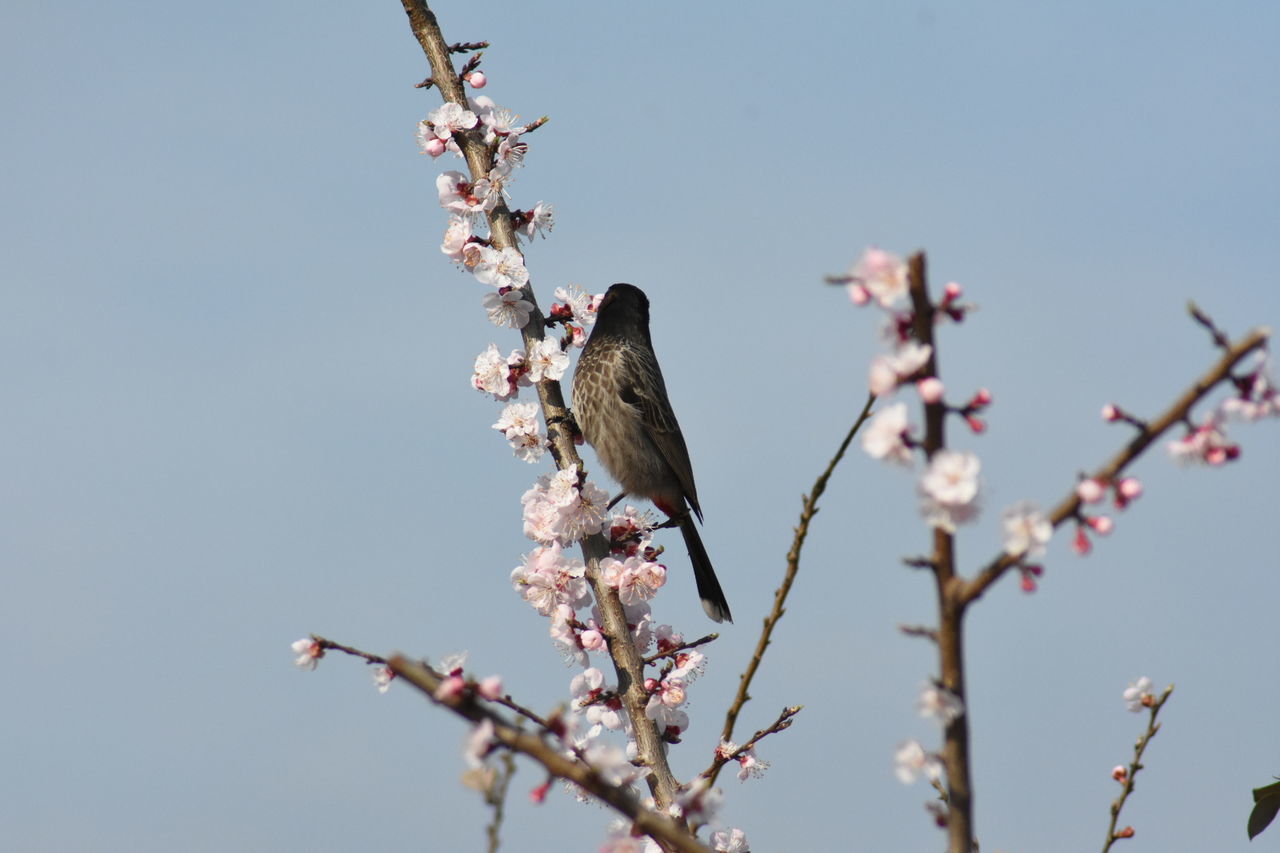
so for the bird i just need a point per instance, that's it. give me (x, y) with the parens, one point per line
(621, 406)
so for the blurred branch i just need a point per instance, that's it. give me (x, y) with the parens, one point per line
(808, 510)
(1134, 767)
(496, 796)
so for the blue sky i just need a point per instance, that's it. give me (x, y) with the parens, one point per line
(236, 366)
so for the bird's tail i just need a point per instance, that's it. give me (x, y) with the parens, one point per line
(713, 600)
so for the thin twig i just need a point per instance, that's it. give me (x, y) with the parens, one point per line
(808, 509)
(701, 641)
(354, 652)
(1134, 767)
(496, 796)
(781, 724)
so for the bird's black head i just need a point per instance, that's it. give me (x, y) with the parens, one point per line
(624, 307)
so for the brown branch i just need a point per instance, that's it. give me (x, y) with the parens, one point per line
(496, 796)
(628, 663)
(661, 828)
(701, 641)
(1069, 507)
(781, 724)
(809, 508)
(1134, 767)
(354, 652)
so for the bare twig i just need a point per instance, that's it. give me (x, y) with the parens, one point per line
(1134, 766)
(661, 828)
(496, 797)
(354, 652)
(809, 508)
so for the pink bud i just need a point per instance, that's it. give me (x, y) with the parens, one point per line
(651, 684)
(1129, 487)
(1101, 524)
(491, 687)
(981, 398)
(435, 147)
(975, 423)
(477, 79)
(859, 295)
(1127, 832)
(539, 794)
(1110, 413)
(1028, 583)
(1091, 491)
(1081, 545)
(930, 389)
(1120, 773)
(952, 291)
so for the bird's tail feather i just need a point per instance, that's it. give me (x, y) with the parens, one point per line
(713, 600)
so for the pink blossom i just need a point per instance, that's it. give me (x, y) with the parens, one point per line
(1091, 491)
(502, 269)
(508, 308)
(1026, 531)
(884, 275)
(382, 678)
(930, 389)
(309, 653)
(730, 841)
(1138, 694)
(949, 489)
(910, 761)
(491, 687)
(940, 703)
(886, 436)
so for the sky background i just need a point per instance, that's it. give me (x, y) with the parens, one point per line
(236, 406)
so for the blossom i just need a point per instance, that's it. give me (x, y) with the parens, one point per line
(1206, 444)
(502, 269)
(635, 579)
(548, 577)
(749, 765)
(492, 373)
(1026, 531)
(699, 800)
(940, 703)
(949, 489)
(382, 678)
(540, 220)
(883, 276)
(456, 237)
(888, 371)
(458, 195)
(1091, 490)
(1138, 694)
(547, 361)
(479, 744)
(308, 651)
(886, 436)
(557, 509)
(507, 308)
(730, 841)
(910, 760)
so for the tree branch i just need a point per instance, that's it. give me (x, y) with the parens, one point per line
(809, 508)
(1134, 766)
(628, 663)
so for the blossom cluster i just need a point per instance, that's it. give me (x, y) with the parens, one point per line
(1206, 442)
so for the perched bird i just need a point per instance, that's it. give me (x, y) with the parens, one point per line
(620, 403)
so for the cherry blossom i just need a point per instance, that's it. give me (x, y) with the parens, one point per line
(889, 371)
(502, 269)
(461, 196)
(938, 702)
(730, 841)
(1026, 531)
(309, 653)
(507, 308)
(634, 578)
(886, 436)
(382, 678)
(949, 489)
(1138, 694)
(456, 237)
(910, 761)
(492, 373)
(882, 275)
(547, 361)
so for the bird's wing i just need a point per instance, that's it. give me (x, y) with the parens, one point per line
(651, 402)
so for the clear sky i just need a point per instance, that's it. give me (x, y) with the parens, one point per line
(235, 370)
